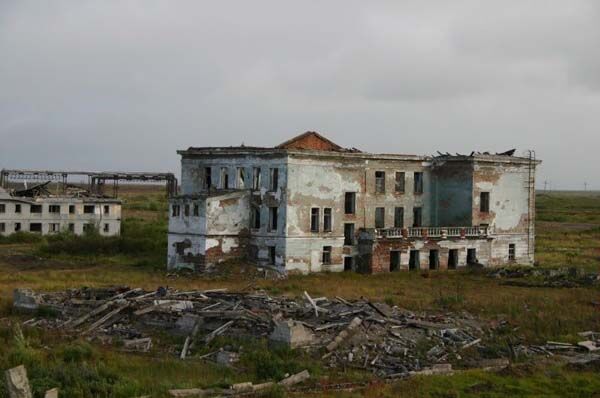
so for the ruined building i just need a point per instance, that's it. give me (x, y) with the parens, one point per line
(38, 209)
(311, 205)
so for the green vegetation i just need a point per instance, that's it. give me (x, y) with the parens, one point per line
(568, 229)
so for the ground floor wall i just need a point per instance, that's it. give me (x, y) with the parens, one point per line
(197, 252)
(394, 254)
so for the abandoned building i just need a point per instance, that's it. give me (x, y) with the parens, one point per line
(310, 205)
(38, 210)
(55, 204)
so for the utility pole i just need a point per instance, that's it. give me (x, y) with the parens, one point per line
(545, 185)
(585, 186)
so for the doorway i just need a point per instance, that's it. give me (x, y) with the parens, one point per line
(414, 261)
(452, 258)
(394, 260)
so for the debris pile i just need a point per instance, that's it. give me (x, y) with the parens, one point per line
(545, 277)
(389, 341)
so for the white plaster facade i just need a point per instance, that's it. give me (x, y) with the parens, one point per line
(47, 215)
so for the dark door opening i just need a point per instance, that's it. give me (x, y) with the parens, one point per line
(414, 261)
(434, 259)
(394, 260)
(348, 261)
(471, 256)
(452, 258)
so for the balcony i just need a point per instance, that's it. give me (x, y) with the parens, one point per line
(433, 232)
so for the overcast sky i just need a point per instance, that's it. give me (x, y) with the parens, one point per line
(123, 84)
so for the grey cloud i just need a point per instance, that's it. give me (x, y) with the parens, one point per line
(123, 84)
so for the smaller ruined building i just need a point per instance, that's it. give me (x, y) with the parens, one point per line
(38, 209)
(311, 205)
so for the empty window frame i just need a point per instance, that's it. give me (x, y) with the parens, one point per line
(434, 259)
(72, 227)
(106, 210)
(2, 227)
(274, 183)
(452, 258)
(414, 261)
(512, 252)
(379, 181)
(89, 209)
(224, 180)
(256, 178)
(484, 202)
(399, 217)
(272, 255)
(35, 227)
(394, 260)
(255, 217)
(35, 209)
(186, 210)
(241, 178)
(87, 228)
(418, 182)
(348, 263)
(400, 178)
(17, 226)
(327, 220)
(380, 217)
(314, 219)
(207, 177)
(2, 208)
(17, 208)
(326, 254)
(106, 228)
(71, 209)
(350, 202)
(417, 217)
(54, 228)
(196, 210)
(54, 209)
(273, 213)
(348, 234)
(175, 210)
(472, 256)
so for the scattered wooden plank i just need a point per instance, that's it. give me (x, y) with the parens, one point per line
(105, 318)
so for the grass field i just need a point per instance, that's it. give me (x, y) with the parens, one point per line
(568, 226)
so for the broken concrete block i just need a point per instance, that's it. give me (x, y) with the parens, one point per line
(53, 393)
(227, 358)
(292, 334)
(26, 299)
(344, 334)
(589, 345)
(17, 383)
(295, 379)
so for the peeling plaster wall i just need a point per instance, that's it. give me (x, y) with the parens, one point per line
(219, 232)
(322, 183)
(375, 255)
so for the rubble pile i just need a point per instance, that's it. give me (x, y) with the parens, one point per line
(389, 341)
(545, 277)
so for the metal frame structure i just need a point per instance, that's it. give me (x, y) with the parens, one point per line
(96, 180)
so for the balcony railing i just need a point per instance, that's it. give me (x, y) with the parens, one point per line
(432, 232)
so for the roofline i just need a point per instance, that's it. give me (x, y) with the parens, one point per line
(257, 151)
